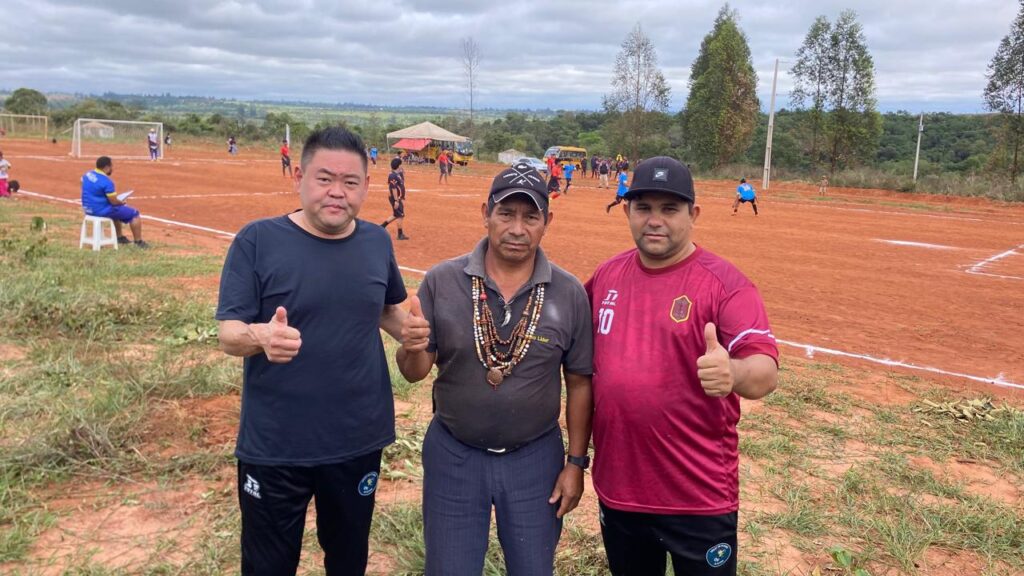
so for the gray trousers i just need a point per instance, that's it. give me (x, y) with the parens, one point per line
(461, 484)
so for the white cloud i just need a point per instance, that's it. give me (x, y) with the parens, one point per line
(928, 55)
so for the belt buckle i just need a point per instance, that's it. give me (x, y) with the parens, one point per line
(497, 450)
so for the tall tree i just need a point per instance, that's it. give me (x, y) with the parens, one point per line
(471, 67)
(639, 90)
(811, 77)
(854, 125)
(26, 101)
(1005, 91)
(722, 108)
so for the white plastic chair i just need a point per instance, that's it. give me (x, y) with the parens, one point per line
(94, 235)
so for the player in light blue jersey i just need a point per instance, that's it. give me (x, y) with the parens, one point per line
(744, 193)
(620, 194)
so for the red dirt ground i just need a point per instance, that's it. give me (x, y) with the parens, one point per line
(826, 272)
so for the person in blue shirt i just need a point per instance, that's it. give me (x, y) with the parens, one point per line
(100, 199)
(373, 155)
(744, 193)
(568, 169)
(620, 194)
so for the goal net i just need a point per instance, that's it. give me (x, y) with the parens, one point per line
(115, 138)
(24, 126)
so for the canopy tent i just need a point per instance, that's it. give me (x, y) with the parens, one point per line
(427, 130)
(413, 144)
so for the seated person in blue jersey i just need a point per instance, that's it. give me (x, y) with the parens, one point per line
(99, 199)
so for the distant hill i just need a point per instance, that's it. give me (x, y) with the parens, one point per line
(311, 112)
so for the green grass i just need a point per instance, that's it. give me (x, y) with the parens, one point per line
(97, 331)
(104, 339)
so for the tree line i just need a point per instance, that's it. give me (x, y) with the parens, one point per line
(831, 125)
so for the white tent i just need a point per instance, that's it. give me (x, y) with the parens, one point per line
(426, 130)
(509, 156)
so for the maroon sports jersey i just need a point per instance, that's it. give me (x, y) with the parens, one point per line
(661, 445)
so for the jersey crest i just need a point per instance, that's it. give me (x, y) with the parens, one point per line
(680, 311)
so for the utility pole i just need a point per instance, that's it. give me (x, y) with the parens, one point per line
(917, 156)
(771, 127)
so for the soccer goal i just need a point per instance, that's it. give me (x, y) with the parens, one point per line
(24, 126)
(115, 138)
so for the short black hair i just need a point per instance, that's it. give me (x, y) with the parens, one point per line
(104, 162)
(333, 138)
(395, 163)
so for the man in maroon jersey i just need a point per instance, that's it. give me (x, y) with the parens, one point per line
(679, 336)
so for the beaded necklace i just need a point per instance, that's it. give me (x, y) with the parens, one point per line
(499, 356)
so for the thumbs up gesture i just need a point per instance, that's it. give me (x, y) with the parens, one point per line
(280, 341)
(714, 368)
(415, 328)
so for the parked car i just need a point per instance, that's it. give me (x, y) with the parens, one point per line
(535, 163)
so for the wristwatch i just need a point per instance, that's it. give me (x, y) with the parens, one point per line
(582, 461)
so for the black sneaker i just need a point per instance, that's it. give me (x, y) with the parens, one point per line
(123, 240)
(403, 237)
(141, 244)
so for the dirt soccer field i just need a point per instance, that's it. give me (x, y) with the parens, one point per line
(931, 284)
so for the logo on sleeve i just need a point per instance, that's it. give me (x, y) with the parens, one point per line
(680, 311)
(718, 555)
(368, 484)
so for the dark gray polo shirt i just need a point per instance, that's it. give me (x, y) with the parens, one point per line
(528, 402)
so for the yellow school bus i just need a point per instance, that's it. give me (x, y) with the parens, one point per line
(462, 152)
(568, 155)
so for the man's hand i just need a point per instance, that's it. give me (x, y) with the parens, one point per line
(415, 328)
(714, 367)
(568, 489)
(279, 341)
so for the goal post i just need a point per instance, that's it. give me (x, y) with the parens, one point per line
(115, 138)
(24, 126)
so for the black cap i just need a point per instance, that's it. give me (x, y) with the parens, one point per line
(520, 178)
(662, 174)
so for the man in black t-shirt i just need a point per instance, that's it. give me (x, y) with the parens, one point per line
(396, 196)
(303, 298)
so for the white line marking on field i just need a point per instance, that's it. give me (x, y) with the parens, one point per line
(997, 275)
(175, 223)
(809, 349)
(916, 244)
(977, 267)
(459, 195)
(792, 202)
(47, 158)
(137, 197)
(144, 217)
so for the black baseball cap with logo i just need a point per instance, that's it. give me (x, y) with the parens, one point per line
(662, 174)
(519, 178)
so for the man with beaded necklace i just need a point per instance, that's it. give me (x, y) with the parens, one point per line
(501, 323)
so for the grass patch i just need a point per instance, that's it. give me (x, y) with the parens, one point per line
(104, 339)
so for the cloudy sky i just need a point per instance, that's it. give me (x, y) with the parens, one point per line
(929, 55)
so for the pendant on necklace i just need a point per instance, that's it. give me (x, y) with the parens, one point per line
(495, 377)
(508, 317)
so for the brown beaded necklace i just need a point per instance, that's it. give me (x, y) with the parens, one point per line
(499, 356)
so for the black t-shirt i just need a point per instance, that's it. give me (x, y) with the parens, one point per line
(333, 401)
(396, 187)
